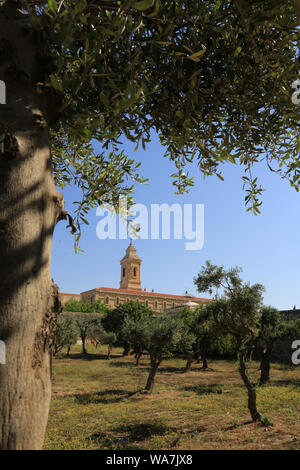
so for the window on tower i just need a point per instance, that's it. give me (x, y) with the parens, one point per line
(123, 272)
(134, 272)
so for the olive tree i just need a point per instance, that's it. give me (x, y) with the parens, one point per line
(271, 328)
(159, 336)
(188, 345)
(66, 334)
(87, 325)
(198, 336)
(99, 336)
(114, 319)
(134, 332)
(236, 313)
(213, 79)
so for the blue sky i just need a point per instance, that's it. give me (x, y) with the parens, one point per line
(265, 246)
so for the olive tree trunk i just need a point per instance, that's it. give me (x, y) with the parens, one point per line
(30, 206)
(264, 370)
(204, 362)
(137, 358)
(83, 340)
(126, 350)
(188, 364)
(154, 364)
(255, 415)
(109, 351)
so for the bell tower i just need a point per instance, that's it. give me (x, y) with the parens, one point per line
(131, 270)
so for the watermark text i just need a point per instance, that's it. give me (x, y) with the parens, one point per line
(156, 222)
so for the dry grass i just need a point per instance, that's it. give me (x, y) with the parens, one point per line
(95, 406)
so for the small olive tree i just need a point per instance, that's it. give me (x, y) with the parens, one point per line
(237, 313)
(195, 338)
(98, 335)
(271, 328)
(87, 324)
(159, 336)
(114, 319)
(134, 331)
(200, 338)
(66, 334)
(162, 337)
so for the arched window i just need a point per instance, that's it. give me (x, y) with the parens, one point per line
(134, 272)
(155, 304)
(124, 272)
(107, 300)
(146, 303)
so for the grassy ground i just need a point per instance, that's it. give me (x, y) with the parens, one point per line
(94, 406)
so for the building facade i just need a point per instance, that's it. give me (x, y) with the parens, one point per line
(131, 289)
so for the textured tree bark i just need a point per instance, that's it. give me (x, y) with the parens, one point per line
(84, 351)
(137, 358)
(153, 369)
(204, 362)
(188, 364)
(255, 415)
(30, 206)
(264, 370)
(126, 350)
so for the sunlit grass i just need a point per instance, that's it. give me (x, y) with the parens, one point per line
(97, 404)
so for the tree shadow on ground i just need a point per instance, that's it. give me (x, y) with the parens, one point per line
(286, 382)
(203, 389)
(122, 364)
(125, 436)
(198, 369)
(128, 436)
(172, 370)
(104, 397)
(89, 357)
(163, 370)
(141, 431)
(237, 425)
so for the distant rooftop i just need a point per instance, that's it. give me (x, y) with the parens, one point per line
(155, 294)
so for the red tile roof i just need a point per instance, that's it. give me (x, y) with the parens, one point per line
(155, 294)
(72, 295)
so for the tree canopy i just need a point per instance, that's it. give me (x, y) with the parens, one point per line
(159, 336)
(212, 78)
(114, 320)
(85, 307)
(66, 333)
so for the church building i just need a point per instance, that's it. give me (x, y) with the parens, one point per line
(131, 289)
